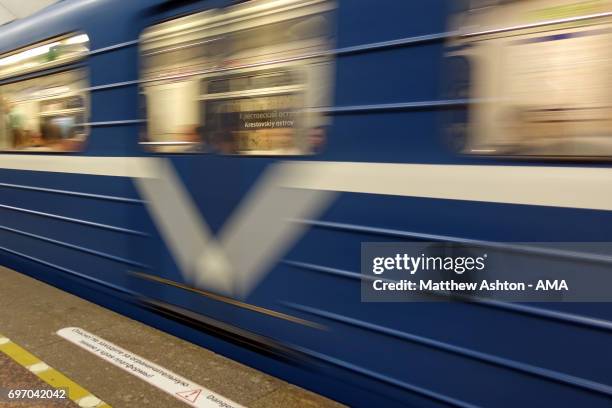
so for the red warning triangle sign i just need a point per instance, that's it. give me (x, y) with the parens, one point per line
(191, 395)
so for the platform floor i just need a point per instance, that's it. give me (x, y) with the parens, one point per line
(32, 312)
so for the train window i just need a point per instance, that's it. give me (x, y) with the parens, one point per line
(248, 79)
(43, 114)
(540, 78)
(47, 112)
(173, 56)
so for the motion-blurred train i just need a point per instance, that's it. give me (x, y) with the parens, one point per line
(212, 168)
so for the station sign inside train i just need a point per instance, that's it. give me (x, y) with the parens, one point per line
(450, 271)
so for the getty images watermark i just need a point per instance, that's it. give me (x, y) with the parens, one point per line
(438, 271)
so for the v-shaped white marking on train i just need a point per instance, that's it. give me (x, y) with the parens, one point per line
(258, 233)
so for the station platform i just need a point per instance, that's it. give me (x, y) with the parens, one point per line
(54, 341)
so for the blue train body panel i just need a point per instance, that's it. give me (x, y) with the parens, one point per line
(93, 235)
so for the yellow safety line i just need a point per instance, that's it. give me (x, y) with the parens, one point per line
(50, 375)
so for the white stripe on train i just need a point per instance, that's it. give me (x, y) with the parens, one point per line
(259, 232)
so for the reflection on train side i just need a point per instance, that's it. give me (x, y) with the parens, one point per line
(48, 113)
(241, 80)
(540, 74)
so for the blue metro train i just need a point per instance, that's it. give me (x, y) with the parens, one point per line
(212, 168)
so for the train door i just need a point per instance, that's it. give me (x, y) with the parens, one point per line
(229, 93)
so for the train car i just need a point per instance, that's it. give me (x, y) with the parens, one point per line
(212, 168)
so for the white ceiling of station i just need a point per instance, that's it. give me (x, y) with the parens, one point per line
(13, 9)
